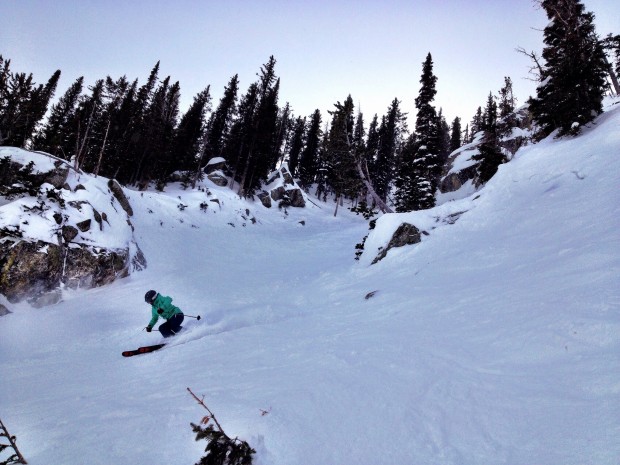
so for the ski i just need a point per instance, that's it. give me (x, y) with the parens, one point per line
(143, 350)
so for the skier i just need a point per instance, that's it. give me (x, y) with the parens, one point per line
(161, 306)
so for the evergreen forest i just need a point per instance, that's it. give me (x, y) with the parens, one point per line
(136, 133)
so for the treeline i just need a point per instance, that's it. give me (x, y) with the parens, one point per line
(135, 133)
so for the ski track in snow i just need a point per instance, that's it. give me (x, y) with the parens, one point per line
(495, 340)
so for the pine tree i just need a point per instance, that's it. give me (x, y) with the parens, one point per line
(156, 134)
(109, 127)
(490, 153)
(22, 104)
(476, 124)
(53, 137)
(391, 132)
(220, 122)
(87, 117)
(284, 124)
(186, 145)
(253, 138)
(455, 134)
(506, 106)
(341, 172)
(309, 157)
(443, 138)
(239, 137)
(611, 44)
(131, 150)
(489, 116)
(296, 144)
(121, 111)
(573, 78)
(419, 172)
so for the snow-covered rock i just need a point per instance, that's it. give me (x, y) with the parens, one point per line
(59, 227)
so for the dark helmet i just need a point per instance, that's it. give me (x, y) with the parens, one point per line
(149, 297)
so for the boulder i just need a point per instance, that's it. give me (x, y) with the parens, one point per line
(69, 233)
(84, 225)
(4, 310)
(218, 178)
(454, 181)
(296, 197)
(118, 193)
(405, 234)
(288, 179)
(215, 164)
(265, 198)
(278, 193)
(17, 177)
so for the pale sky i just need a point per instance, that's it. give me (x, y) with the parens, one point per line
(325, 50)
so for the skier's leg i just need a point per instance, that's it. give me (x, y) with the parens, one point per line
(172, 326)
(175, 322)
(164, 329)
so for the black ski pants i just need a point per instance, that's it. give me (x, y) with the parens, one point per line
(172, 326)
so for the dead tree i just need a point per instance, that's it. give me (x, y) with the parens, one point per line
(16, 457)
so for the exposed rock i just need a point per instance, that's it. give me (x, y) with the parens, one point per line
(84, 225)
(405, 234)
(4, 310)
(33, 270)
(69, 233)
(29, 268)
(278, 193)
(17, 177)
(288, 179)
(215, 164)
(98, 219)
(292, 197)
(34, 266)
(296, 198)
(454, 181)
(265, 198)
(86, 267)
(117, 190)
(218, 178)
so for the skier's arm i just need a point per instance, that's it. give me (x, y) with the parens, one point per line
(154, 318)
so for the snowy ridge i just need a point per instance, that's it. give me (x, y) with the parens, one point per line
(494, 340)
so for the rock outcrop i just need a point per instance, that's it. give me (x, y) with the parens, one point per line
(282, 189)
(54, 235)
(405, 234)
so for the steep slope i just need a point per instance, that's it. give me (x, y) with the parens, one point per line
(494, 340)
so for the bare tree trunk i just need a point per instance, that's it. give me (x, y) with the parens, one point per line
(365, 179)
(612, 75)
(105, 139)
(337, 203)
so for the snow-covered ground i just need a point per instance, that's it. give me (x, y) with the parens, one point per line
(496, 340)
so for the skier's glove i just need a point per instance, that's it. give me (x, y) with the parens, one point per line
(148, 329)
(160, 311)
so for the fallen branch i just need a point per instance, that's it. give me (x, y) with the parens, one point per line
(221, 449)
(201, 402)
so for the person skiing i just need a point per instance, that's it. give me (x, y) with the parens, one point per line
(161, 306)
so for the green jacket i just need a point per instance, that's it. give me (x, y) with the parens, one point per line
(165, 304)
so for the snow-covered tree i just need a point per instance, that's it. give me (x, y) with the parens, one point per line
(573, 79)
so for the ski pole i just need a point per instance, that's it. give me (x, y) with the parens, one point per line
(191, 316)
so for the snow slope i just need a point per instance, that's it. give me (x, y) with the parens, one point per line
(494, 340)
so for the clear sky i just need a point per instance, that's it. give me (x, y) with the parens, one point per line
(325, 50)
